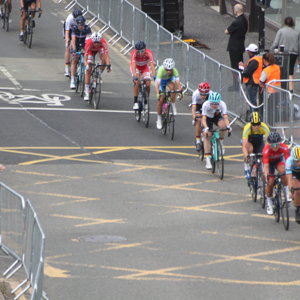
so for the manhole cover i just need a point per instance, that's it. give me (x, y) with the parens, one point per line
(102, 238)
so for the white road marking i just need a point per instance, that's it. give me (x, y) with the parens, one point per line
(11, 78)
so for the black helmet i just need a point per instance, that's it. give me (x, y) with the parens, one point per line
(140, 45)
(255, 118)
(274, 137)
(76, 12)
(80, 20)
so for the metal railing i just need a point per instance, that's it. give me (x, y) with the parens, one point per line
(131, 24)
(22, 237)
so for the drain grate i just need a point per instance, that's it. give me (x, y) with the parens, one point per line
(102, 239)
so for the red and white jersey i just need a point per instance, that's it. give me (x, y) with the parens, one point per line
(92, 48)
(141, 60)
(270, 155)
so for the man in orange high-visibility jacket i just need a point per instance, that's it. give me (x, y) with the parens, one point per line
(251, 72)
(269, 73)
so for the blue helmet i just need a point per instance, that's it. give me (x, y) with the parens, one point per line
(76, 12)
(274, 137)
(214, 97)
(140, 45)
(80, 20)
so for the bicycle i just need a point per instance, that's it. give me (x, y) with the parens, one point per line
(217, 159)
(95, 85)
(280, 204)
(29, 25)
(80, 71)
(257, 182)
(5, 12)
(144, 105)
(168, 118)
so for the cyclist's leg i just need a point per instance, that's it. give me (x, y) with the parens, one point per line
(136, 87)
(221, 124)
(269, 188)
(206, 142)
(89, 59)
(159, 104)
(9, 5)
(171, 87)
(22, 20)
(249, 148)
(147, 77)
(75, 59)
(296, 196)
(281, 169)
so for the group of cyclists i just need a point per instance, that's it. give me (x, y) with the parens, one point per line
(276, 156)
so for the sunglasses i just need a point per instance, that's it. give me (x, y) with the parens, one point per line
(214, 103)
(141, 51)
(203, 94)
(255, 124)
(274, 145)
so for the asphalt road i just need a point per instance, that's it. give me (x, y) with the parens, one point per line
(127, 213)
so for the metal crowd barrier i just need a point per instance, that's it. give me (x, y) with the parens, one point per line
(131, 24)
(282, 111)
(22, 237)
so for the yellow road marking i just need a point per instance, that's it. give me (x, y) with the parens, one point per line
(93, 221)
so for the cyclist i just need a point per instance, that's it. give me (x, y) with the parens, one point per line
(93, 45)
(141, 57)
(167, 75)
(2, 2)
(254, 134)
(25, 4)
(292, 166)
(68, 24)
(79, 32)
(275, 155)
(214, 111)
(200, 95)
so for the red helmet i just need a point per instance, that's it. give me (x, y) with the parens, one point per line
(204, 88)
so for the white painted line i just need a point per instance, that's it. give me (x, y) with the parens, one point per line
(13, 88)
(11, 78)
(80, 110)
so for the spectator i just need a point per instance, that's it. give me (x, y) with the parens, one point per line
(236, 44)
(269, 73)
(251, 72)
(288, 37)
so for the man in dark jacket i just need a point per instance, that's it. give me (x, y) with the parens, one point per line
(236, 44)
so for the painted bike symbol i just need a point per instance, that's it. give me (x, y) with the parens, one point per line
(48, 99)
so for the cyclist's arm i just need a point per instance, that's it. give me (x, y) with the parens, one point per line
(22, 4)
(194, 106)
(204, 123)
(39, 4)
(153, 71)
(73, 42)
(226, 119)
(179, 87)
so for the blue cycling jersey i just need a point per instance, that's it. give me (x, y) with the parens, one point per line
(290, 166)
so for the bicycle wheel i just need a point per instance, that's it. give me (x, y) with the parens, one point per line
(220, 160)
(276, 208)
(97, 95)
(164, 120)
(285, 211)
(254, 183)
(6, 18)
(83, 84)
(79, 77)
(261, 186)
(25, 34)
(30, 34)
(201, 152)
(137, 114)
(171, 122)
(213, 162)
(146, 110)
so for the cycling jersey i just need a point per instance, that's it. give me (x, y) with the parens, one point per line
(141, 59)
(291, 167)
(210, 112)
(91, 48)
(70, 22)
(281, 155)
(252, 134)
(162, 74)
(80, 35)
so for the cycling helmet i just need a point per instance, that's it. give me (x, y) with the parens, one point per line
(296, 153)
(76, 12)
(96, 37)
(254, 118)
(274, 137)
(140, 45)
(80, 20)
(204, 88)
(169, 63)
(214, 97)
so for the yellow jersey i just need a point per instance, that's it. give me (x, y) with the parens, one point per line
(248, 131)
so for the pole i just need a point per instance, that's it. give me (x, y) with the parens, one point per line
(162, 13)
(261, 30)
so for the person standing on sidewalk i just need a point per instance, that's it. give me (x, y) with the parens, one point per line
(251, 72)
(288, 37)
(236, 43)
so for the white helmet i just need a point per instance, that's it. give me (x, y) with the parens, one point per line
(169, 63)
(96, 37)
